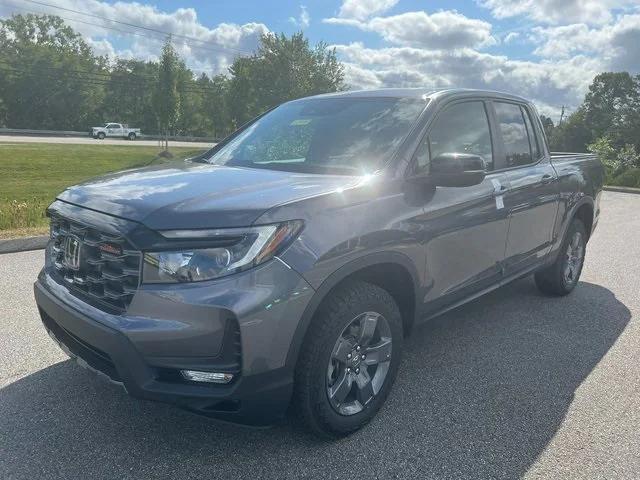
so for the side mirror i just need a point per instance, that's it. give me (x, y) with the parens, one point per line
(457, 170)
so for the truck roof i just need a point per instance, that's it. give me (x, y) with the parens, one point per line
(421, 93)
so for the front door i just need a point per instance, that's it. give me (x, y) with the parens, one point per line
(466, 227)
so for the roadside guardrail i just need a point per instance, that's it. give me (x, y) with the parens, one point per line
(72, 133)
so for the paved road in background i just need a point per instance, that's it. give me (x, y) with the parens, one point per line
(12, 139)
(514, 384)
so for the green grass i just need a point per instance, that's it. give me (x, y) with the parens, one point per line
(32, 174)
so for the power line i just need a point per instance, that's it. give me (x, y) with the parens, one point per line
(142, 27)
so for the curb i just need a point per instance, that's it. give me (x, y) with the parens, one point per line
(23, 244)
(621, 189)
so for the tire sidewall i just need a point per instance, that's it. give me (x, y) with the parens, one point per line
(576, 226)
(324, 409)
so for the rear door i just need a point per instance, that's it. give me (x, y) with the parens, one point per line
(532, 197)
(466, 227)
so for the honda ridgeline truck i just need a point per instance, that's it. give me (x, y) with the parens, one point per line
(286, 265)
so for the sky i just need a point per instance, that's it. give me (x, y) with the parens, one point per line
(545, 50)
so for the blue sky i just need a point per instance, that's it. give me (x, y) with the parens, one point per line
(547, 50)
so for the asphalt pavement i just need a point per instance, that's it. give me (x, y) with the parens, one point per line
(13, 139)
(512, 385)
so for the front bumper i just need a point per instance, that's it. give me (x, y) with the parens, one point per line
(248, 320)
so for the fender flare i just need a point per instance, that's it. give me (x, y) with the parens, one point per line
(569, 216)
(334, 279)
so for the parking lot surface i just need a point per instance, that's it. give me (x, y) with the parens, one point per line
(512, 385)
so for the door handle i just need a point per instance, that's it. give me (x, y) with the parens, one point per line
(547, 178)
(502, 189)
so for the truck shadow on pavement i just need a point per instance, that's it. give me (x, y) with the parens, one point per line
(481, 392)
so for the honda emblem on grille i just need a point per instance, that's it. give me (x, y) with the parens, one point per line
(72, 247)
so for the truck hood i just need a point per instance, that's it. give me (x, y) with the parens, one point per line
(185, 195)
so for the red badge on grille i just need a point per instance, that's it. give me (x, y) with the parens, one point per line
(111, 249)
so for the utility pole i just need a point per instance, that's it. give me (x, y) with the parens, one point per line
(561, 116)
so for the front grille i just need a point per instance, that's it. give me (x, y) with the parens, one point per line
(106, 269)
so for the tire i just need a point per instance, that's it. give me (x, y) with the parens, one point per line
(321, 380)
(561, 277)
(132, 136)
(101, 135)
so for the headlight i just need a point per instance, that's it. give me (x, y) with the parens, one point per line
(241, 248)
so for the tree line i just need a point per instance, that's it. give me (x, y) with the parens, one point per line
(607, 123)
(51, 79)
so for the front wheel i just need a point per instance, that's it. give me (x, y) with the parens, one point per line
(349, 360)
(561, 277)
(101, 136)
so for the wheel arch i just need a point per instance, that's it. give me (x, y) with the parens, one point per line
(390, 270)
(585, 213)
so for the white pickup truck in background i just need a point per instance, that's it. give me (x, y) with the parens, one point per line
(115, 130)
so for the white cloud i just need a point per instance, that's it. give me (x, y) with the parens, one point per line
(444, 29)
(363, 9)
(213, 49)
(511, 36)
(615, 44)
(557, 11)
(303, 20)
(549, 84)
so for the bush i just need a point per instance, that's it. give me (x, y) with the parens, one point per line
(630, 178)
(616, 161)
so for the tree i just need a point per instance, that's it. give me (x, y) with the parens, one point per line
(166, 99)
(572, 135)
(283, 68)
(217, 106)
(610, 106)
(547, 125)
(3, 114)
(49, 77)
(129, 94)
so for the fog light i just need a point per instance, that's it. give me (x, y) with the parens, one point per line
(209, 377)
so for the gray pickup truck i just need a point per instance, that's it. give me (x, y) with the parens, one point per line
(285, 266)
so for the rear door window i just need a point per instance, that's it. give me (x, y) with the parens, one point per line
(515, 138)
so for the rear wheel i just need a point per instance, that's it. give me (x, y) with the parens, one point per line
(349, 360)
(132, 136)
(561, 277)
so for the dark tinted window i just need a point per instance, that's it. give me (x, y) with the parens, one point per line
(514, 134)
(460, 128)
(333, 135)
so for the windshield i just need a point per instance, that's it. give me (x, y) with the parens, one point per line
(330, 135)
